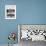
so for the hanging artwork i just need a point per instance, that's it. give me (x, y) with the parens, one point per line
(10, 11)
(32, 32)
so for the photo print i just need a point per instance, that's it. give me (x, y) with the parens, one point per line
(10, 11)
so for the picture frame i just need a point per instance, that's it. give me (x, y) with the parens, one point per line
(38, 30)
(10, 11)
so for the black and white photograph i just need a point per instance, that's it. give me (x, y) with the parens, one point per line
(29, 34)
(10, 11)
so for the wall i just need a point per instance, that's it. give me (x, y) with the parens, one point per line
(27, 12)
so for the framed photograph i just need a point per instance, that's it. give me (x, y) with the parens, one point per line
(10, 11)
(31, 32)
